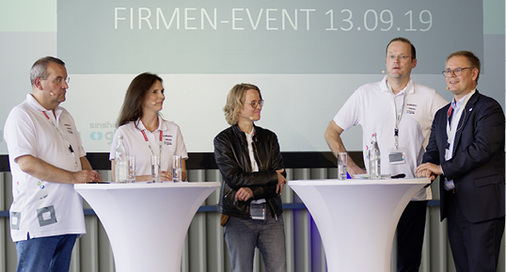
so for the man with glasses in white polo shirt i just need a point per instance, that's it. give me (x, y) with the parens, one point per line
(46, 158)
(400, 112)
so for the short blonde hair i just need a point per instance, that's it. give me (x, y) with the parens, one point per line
(235, 101)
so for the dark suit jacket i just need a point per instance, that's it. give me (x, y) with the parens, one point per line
(477, 166)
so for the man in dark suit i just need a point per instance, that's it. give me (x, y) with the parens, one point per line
(466, 148)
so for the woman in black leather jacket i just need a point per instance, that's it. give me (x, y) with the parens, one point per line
(250, 162)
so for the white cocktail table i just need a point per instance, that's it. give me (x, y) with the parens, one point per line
(357, 218)
(146, 222)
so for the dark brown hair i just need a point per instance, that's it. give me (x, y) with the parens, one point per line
(134, 97)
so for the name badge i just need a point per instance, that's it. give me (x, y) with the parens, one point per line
(257, 211)
(397, 156)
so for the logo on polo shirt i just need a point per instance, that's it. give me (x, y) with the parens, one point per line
(68, 128)
(167, 139)
(411, 108)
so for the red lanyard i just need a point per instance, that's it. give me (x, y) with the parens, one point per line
(160, 139)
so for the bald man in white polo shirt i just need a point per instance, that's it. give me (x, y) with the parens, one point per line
(46, 158)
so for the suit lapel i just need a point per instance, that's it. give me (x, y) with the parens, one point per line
(443, 122)
(464, 118)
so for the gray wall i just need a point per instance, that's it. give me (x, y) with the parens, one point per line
(205, 249)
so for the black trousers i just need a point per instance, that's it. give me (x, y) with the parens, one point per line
(410, 232)
(475, 245)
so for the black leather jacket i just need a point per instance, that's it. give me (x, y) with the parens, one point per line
(232, 157)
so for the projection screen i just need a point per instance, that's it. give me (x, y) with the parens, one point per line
(307, 57)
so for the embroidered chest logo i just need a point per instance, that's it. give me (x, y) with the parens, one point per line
(68, 128)
(167, 139)
(411, 108)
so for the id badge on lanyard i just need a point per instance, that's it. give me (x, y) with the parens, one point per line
(397, 155)
(257, 210)
(256, 207)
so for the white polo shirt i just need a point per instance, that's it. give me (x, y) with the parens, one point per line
(135, 144)
(41, 208)
(372, 107)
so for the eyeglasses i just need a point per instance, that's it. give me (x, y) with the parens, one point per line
(255, 103)
(402, 57)
(59, 80)
(456, 71)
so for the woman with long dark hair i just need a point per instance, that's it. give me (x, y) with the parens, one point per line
(145, 133)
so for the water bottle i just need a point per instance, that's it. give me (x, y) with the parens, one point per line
(374, 159)
(121, 163)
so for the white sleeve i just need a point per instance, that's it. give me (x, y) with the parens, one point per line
(19, 134)
(180, 146)
(437, 103)
(349, 114)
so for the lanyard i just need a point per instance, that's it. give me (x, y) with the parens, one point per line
(451, 127)
(64, 139)
(398, 117)
(249, 139)
(160, 139)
